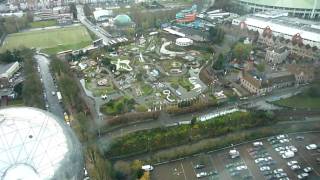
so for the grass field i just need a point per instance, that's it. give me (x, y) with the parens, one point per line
(300, 101)
(50, 40)
(42, 24)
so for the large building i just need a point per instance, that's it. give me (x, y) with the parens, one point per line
(36, 145)
(300, 8)
(276, 55)
(257, 83)
(279, 24)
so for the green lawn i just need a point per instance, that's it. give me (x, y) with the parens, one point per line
(42, 24)
(51, 40)
(300, 101)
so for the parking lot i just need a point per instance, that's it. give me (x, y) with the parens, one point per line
(278, 157)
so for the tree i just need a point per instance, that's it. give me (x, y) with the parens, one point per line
(261, 67)
(216, 35)
(242, 51)
(122, 169)
(73, 10)
(102, 168)
(219, 63)
(193, 121)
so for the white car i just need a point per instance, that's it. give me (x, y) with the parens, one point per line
(290, 163)
(295, 167)
(239, 168)
(276, 171)
(259, 160)
(147, 167)
(265, 168)
(53, 93)
(292, 148)
(269, 158)
(307, 169)
(311, 146)
(257, 143)
(282, 136)
(284, 140)
(303, 175)
(202, 174)
(279, 149)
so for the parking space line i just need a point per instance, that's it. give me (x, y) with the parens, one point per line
(245, 163)
(183, 171)
(193, 168)
(309, 164)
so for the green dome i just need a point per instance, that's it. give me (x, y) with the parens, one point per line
(122, 19)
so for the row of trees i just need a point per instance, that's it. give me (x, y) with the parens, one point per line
(100, 168)
(32, 86)
(216, 35)
(15, 24)
(12, 56)
(160, 138)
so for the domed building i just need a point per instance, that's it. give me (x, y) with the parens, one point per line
(300, 8)
(34, 144)
(122, 20)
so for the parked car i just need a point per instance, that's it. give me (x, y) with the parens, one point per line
(147, 167)
(279, 149)
(311, 146)
(202, 174)
(276, 171)
(265, 168)
(295, 167)
(281, 175)
(199, 166)
(284, 140)
(257, 143)
(303, 175)
(282, 136)
(300, 138)
(307, 169)
(290, 163)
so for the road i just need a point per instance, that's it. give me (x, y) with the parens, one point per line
(99, 32)
(165, 119)
(49, 86)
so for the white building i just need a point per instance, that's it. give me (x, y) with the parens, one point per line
(184, 42)
(6, 71)
(300, 8)
(279, 24)
(102, 15)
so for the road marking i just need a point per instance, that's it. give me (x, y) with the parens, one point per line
(183, 171)
(309, 164)
(195, 173)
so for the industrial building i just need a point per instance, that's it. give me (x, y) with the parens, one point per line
(7, 70)
(299, 8)
(279, 24)
(37, 145)
(102, 15)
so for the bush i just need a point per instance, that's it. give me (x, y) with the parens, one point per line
(160, 138)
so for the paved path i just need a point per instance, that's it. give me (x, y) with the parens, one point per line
(49, 86)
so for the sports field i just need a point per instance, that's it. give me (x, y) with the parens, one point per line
(50, 40)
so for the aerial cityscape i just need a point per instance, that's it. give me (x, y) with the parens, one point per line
(159, 89)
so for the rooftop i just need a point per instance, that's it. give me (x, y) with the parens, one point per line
(5, 67)
(297, 4)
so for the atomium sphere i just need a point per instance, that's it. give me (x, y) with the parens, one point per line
(34, 144)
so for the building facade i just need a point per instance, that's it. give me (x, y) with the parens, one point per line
(276, 55)
(299, 8)
(278, 24)
(261, 84)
